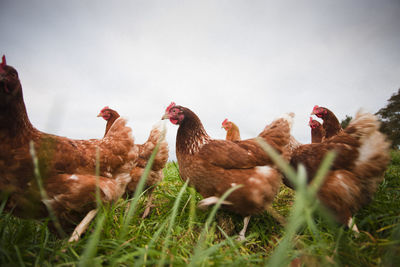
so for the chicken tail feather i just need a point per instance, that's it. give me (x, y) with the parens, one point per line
(277, 134)
(157, 135)
(373, 152)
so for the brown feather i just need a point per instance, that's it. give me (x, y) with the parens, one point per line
(232, 131)
(144, 152)
(317, 131)
(113, 116)
(331, 124)
(60, 158)
(359, 166)
(214, 166)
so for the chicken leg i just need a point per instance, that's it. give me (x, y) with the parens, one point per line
(352, 225)
(82, 226)
(242, 232)
(149, 203)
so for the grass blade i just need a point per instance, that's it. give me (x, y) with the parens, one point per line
(171, 224)
(198, 251)
(137, 194)
(43, 193)
(91, 247)
(304, 203)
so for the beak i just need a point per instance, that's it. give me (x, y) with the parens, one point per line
(166, 116)
(312, 113)
(100, 115)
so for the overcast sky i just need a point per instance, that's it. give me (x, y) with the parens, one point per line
(248, 61)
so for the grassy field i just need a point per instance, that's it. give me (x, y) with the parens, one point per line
(176, 233)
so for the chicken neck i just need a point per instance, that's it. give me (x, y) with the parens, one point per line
(331, 124)
(191, 134)
(14, 121)
(316, 134)
(113, 118)
(233, 133)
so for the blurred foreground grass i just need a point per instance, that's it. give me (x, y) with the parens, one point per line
(176, 233)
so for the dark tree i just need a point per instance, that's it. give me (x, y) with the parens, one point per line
(390, 117)
(346, 121)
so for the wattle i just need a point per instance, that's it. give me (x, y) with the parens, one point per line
(174, 121)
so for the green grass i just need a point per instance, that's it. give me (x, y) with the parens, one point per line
(176, 233)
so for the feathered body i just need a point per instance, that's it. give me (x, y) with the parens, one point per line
(67, 167)
(292, 146)
(144, 151)
(359, 166)
(214, 166)
(157, 136)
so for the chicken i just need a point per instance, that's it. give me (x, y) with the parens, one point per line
(317, 131)
(110, 116)
(233, 134)
(331, 124)
(232, 131)
(66, 166)
(214, 166)
(144, 152)
(359, 166)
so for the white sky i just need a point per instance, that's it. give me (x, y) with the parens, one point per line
(248, 61)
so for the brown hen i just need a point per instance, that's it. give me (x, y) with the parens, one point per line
(110, 116)
(317, 131)
(144, 152)
(67, 167)
(232, 130)
(214, 166)
(331, 124)
(359, 166)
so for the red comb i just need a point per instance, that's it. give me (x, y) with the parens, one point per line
(3, 61)
(225, 121)
(311, 119)
(106, 107)
(170, 106)
(315, 107)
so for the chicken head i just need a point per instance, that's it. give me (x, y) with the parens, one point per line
(313, 123)
(226, 124)
(319, 111)
(10, 86)
(174, 113)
